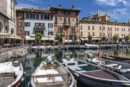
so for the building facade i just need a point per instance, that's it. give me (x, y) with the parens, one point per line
(32, 21)
(66, 22)
(7, 19)
(99, 29)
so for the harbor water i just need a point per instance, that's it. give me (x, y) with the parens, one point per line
(35, 57)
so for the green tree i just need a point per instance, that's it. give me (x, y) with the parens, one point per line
(89, 39)
(38, 38)
(104, 39)
(127, 38)
(115, 38)
(59, 38)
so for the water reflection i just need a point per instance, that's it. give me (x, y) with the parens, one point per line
(32, 60)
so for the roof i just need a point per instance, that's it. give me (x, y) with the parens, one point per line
(107, 23)
(34, 10)
(4, 15)
(65, 9)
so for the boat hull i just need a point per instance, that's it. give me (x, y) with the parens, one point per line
(95, 82)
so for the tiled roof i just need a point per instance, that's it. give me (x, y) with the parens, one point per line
(107, 23)
(67, 9)
(34, 10)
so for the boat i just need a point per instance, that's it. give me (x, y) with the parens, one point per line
(92, 46)
(11, 74)
(116, 66)
(94, 76)
(51, 73)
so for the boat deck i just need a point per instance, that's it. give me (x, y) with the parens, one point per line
(6, 79)
(101, 74)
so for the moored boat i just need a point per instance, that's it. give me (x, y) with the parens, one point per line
(11, 74)
(94, 76)
(93, 46)
(119, 67)
(52, 74)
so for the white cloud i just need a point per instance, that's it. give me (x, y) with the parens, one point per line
(113, 2)
(19, 6)
(117, 14)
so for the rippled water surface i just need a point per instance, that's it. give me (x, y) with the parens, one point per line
(32, 60)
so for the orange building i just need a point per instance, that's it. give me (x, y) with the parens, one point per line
(66, 22)
(20, 27)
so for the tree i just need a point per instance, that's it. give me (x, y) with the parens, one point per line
(89, 39)
(104, 39)
(127, 38)
(115, 38)
(38, 38)
(59, 38)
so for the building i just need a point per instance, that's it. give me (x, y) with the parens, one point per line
(7, 20)
(66, 22)
(20, 27)
(32, 21)
(99, 29)
(98, 17)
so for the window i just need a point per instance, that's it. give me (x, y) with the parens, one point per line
(27, 24)
(7, 28)
(122, 29)
(42, 16)
(89, 34)
(37, 16)
(128, 29)
(100, 28)
(50, 25)
(81, 27)
(103, 28)
(20, 24)
(1, 27)
(12, 31)
(93, 27)
(33, 16)
(93, 34)
(88, 27)
(27, 15)
(27, 33)
(103, 34)
(20, 31)
(100, 34)
(50, 33)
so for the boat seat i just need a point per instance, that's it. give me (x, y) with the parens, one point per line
(76, 68)
(111, 65)
(82, 71)
(82, 65)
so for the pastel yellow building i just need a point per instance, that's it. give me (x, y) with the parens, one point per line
(99, 29)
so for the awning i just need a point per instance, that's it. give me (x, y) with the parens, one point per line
(67, 40)
(84, 39)
(43, 38)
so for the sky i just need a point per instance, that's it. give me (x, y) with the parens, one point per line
(118, 10)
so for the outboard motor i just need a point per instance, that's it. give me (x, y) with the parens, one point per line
(49, 60)
(89, 55)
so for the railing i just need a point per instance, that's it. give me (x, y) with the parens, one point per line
(7, 49)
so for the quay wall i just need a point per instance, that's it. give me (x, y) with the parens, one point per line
(14, 53)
